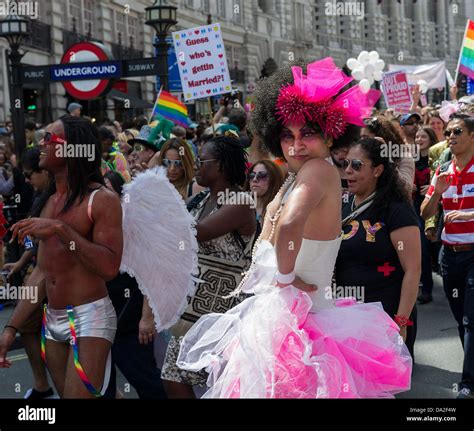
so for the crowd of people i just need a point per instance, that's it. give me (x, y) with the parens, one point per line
(402, 199)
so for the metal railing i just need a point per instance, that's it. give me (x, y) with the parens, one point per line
(70, 38)
(40, 37)
(124, 52)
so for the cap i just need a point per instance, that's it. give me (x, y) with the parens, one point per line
(406, 117)
(72, 106)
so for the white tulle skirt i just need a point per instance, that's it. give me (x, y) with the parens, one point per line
(272, 346)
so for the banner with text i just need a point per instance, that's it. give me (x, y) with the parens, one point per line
(202, 61)
(396, 90)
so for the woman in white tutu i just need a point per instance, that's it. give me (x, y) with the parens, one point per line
(290, 340)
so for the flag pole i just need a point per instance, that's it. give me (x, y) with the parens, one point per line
(212, 116)
(154, 106)
(460, 53)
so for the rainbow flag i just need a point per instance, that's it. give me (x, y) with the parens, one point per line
(170, 108)
(466, 58)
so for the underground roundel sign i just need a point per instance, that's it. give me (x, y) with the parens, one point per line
(91, 78)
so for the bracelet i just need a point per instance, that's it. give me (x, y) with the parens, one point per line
(402, 320)
(285, 278)
(11, 326)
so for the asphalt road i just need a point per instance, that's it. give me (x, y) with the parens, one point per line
(436, 373)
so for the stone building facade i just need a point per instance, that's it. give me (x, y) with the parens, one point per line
(259, 35)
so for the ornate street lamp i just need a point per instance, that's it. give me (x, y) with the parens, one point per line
(15, 29)
(161, 16)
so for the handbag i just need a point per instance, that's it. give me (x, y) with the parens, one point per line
(218, 278)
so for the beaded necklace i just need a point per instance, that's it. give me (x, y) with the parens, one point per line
(273, 220)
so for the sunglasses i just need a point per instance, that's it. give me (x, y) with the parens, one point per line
(51, 138)
(457, 131)
(355, 164)
(199, 162)
(257, 176)
(175, 163)
(28, 174)
(138, 147)
(414, 123)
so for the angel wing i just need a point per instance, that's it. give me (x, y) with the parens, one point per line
(160, 246)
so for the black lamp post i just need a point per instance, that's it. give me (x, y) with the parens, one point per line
(161, 17)
(15, 29)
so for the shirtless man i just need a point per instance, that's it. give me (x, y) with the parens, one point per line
(80, 248)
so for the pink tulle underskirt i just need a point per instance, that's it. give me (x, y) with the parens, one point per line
(271, 346)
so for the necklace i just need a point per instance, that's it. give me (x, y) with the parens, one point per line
(272, 219)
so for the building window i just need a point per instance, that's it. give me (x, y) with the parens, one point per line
(221, 8)
(190, 3)
(81, 16)
(299, 16)
(133, 31)
(75, 15)
(88, 16)
(234, 56)
(205, 6)
(120, 27)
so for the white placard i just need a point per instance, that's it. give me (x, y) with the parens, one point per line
(202, 61)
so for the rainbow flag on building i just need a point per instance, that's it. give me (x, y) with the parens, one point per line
(466, 57)
(170, 108)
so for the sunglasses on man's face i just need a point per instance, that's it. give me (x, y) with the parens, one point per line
(51, 138)
(457, 131)
(175, 163)
(257, 176)
(412, 123)
(355, 164)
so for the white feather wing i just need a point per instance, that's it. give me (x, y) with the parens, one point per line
(160, 247)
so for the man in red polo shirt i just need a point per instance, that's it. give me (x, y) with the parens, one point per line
(453, 187)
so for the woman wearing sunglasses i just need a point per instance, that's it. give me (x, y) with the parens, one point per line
(264, 180)
(225, 226)
(381, 248)
(176, 156)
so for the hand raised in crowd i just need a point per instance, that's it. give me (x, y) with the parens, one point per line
(416, 93)
(443, 182)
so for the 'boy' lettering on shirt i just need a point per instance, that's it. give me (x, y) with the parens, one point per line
(370, 230)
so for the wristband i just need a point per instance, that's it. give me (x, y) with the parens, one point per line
(11, 326)
(285, 278)
(402, 321)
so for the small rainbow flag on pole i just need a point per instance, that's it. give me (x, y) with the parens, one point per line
(170, 108)
(466, 56)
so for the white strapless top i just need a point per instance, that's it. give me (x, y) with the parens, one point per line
(314, 265)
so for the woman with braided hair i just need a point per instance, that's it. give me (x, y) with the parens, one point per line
(226, 226)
